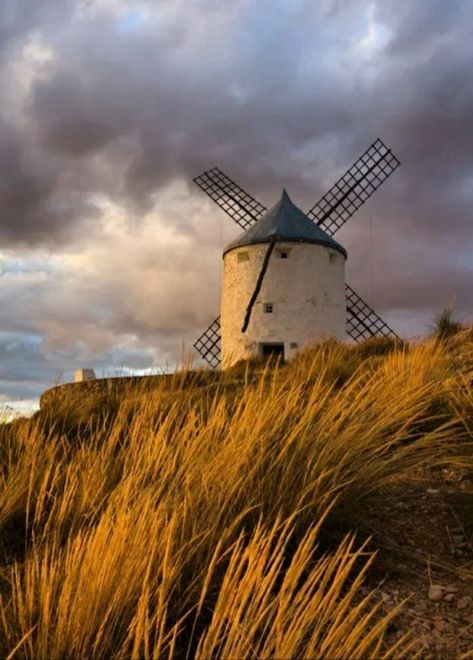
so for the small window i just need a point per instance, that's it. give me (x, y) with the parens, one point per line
(293, 344)
(243, 256)
(283, 253)
(332, 257)
(268, 308)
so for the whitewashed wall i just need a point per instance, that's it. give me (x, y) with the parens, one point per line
(307, 291)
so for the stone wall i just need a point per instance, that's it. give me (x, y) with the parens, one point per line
(99, 386)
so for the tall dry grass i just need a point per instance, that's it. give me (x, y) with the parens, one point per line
(220, 516)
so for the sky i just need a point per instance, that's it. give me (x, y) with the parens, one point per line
(110, 256)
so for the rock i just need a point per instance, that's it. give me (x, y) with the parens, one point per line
(386, 598)
(464, 602)
(436, 592)
(459, 541)
(450, 589)
(441, 625)
(449, 597)
(433, 491)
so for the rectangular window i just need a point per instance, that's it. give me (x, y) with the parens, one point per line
(293, 344)
(332, 257)
(243, 256)
(283, 253)
(268, 308)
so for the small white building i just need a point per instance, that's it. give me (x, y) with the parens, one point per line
(82, 375)
(283, 287)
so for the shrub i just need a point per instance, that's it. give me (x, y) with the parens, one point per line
(445, 324)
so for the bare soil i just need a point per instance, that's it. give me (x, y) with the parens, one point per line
(426, 560)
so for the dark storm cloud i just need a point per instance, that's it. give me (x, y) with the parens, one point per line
(268, 88)
(275, 93)
(36, 204)
(245, 102)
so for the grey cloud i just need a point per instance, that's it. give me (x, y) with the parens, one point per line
(18, 17)
(35, 206)
(39, 369)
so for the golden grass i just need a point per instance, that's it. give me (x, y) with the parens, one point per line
(215, 516)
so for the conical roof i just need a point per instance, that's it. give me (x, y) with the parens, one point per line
(287, 223)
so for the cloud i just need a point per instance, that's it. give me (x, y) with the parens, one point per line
(110, 107)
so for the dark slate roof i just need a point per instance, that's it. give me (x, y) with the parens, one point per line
(289, 224)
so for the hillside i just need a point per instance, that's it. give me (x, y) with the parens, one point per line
(322, 508)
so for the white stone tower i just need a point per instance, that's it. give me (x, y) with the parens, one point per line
(283, 287)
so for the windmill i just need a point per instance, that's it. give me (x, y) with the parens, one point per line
(350, 192)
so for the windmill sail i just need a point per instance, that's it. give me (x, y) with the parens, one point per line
(357, 185)
(236, 202)
(362, 321)
(350, 192)
(208, 344)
